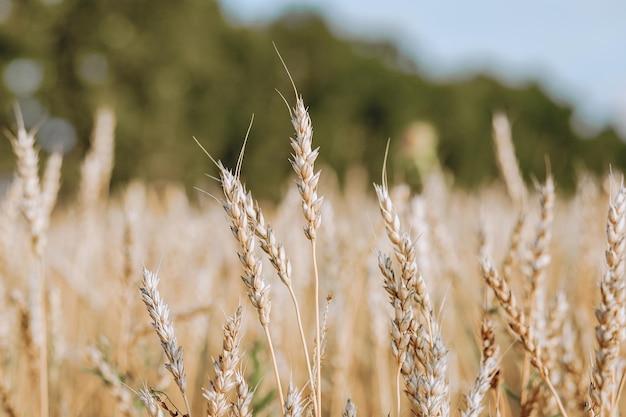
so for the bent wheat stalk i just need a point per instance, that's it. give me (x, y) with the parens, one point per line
(518, 322)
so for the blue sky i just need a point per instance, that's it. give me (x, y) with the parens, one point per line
(575, 48)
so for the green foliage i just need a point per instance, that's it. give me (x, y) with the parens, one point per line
(260, 401)
(179, 70)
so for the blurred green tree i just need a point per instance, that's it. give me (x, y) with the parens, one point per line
(176, 70)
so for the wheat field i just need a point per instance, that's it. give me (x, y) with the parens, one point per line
(339, 300)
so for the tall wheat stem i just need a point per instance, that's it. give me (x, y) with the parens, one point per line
(318, 354)
(303, 163)
(398, 389)
(276, 254)
(43, 352)
(281, 397)
(303, 340)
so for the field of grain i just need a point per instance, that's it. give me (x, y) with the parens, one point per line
(504, 301)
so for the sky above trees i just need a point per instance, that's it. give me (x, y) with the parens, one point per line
(574, 48)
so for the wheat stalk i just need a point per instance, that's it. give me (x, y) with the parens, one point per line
(98, 163)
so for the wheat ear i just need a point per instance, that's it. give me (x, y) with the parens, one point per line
(9, 213)
(404, 248)
(235, 201)
(112, 379)
(303, 163)
(350, 410)
(511, 257)
(160, 315)
(151, 404)
(258, 290)
(410, 286)
(32, 209)
(242, 408)
(538, 263)
(518, 322)
(487, 372)
(225, 369)
(425, 369)
(25, 320)
(507, 162)
(403, 323)
(610, 313)
(293, 404)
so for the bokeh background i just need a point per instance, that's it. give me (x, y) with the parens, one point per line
(427, 76)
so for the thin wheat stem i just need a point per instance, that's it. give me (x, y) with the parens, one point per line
(281, 264)
(43, 357)
(281, 397)
(318, 355)
(304, 347)
(398, 389)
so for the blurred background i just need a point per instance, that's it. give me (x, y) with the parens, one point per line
(428, 76)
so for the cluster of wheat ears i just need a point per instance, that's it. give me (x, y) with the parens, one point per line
(429, 305)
